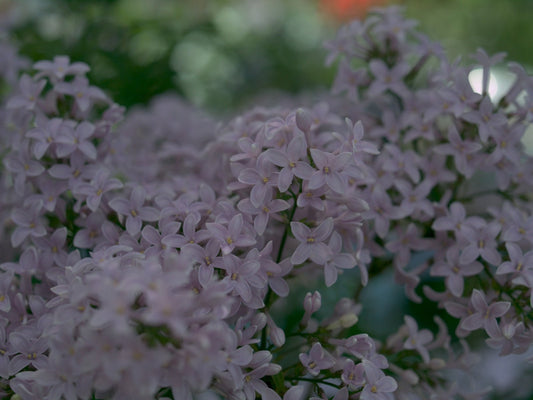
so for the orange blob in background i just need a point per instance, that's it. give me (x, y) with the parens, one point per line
(346, 9)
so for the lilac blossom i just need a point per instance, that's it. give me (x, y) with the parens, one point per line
(312, 244)
(231, 236)
(291, 162)
(133, 210)
(317, 359)
(329, 167)
(484, 315)
(60, 67)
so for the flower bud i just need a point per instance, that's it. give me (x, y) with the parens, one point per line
(304, 120)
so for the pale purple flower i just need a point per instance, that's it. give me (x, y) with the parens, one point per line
(417, 339)
(231, 236)
(336, 260)
(312, 244)
(463, 151)
(261, 178)
(482, 242)
(29, 222)
(60, 67)
(349, 80)
(454, 271)
(91, 233)
(153, 238)
(329, 167)
(29, 92)
(52, 248)
(23, 166)
(76, 171)
(70, 140)
(356, 136)
(402, 161)
(190, 234)
(29, 351)
(291, 162)
(134, 210)
(353, 374)
(317, 359)
(44, 135)
(242, 276)
(518, 262)
(378, 386)
(94, 190)
(485, 315)
(263, 212)
(205, 258)
(487, 121)
(84, 95)
(387, 78)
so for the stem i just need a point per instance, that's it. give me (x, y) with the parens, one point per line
(317, 381)
(287, 227)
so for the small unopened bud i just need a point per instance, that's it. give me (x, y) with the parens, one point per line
(312, 302)
(437, 363)
(345, 321)
(304, 120)
(259, 320)
(411, 377)
(277, 335)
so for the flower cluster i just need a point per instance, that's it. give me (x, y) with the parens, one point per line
(149, 256)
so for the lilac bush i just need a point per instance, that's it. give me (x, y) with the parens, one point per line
(152, 252)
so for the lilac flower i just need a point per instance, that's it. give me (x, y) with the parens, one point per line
(378, 386)
(336, 260)
(100, 184)
(84, 95)
(518, 262)
(317, 359)
(329, 166)
(356, 135)
(29, 222)
(70, 140)
(387, 79)
(485, 315)
(29, 92)
(60, 67)
(22, 165)
(154, 239)
(417, 340)
(461, 150)
(487, 121)
(290, 161)
(482, 242)
(454, 271)
(353, 374)
(44, 135)
(205, 257)
(231, 236)
(52, 248)
(312, 244)
(76, 171)
(29, 351)
(263, 212)
(134, 210)
(51, 190)
(262, 177)
(242, 276)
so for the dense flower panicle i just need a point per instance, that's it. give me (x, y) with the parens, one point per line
(147, 259)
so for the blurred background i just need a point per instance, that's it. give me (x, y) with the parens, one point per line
(220, 54)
